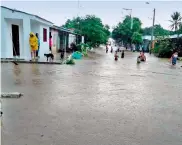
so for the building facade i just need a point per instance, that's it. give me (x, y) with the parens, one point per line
(15, 29)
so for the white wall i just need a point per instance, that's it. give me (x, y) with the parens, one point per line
(9, 43)
(35, 27)
(72, 38)
(83, 41)
(44, 46)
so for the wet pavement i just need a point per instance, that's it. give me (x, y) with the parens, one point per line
(96, 102)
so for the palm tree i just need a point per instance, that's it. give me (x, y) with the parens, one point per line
(176, 21)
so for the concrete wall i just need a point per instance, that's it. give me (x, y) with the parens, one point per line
(72, 38)
(35, 26)
(44, 46)
(9, 43)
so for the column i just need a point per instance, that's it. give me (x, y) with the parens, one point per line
(26, 32)
(82, 39)
(3, 38)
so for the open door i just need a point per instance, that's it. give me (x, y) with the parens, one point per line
(15, 40)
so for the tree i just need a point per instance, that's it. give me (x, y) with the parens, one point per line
(123, 31)
(180, 29)
(158, 31)
(137, 38)
(91, 27)
(176, 21)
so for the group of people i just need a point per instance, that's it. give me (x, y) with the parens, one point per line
(116, 56)
(141, 56)
(34, 42)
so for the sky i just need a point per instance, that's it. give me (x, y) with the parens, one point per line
(110, 12)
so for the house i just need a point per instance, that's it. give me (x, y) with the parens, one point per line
(15, 29)
(62, 38)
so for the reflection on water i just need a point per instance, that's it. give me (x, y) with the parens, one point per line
(17, 73)
(35, 69)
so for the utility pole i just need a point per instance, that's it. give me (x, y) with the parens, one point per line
(152, 33)
(78, 6)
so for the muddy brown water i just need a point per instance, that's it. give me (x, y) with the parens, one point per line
(96, 102)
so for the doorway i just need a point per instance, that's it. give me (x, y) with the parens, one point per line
(15, 40)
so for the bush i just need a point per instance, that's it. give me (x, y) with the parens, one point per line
(70, 61)
(164, 48)
(83, 46)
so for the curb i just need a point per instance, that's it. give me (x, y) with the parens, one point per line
(31, 62)
(11, 95)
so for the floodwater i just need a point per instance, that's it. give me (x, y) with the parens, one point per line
(96, 102)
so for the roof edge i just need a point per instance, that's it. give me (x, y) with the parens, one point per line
(27, 14)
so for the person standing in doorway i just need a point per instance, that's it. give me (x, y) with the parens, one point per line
(50, 43)
(37, 53)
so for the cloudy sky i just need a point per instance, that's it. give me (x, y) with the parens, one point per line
(111, 12)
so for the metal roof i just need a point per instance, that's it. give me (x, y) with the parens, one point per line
(62, 29)
(27, 14)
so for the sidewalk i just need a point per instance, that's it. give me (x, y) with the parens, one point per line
(56, 60)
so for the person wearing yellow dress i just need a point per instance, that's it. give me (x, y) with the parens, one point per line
(33, 41)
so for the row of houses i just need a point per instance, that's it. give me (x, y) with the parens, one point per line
(16, 27)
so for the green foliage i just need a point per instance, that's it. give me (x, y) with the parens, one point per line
(91, 27)
(137, 38)
(70, 61)
(123, 31)
(164, 48)
(176, 21)
(180, 29)
(158, 31)
(82, 47)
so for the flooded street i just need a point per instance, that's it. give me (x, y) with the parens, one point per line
(96, 102)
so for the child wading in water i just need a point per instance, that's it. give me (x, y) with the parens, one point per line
(174, 58)
(138, 59)
(116, 56)
(122, 54)
(107, 48)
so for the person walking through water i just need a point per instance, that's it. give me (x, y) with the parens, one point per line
(107, 48)
(37, 52)
(116, 56)
(111, 49)
(33, 41)
(174, 57)
(122, 54)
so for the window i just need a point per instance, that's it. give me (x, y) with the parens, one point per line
(44, 35)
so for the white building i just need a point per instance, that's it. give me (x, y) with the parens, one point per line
(15, 29)
(147, 37)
